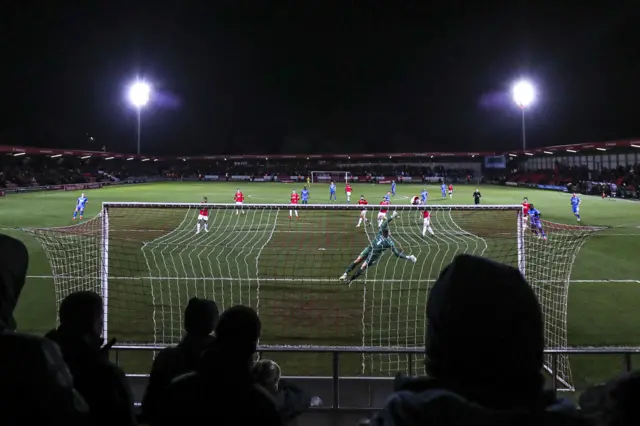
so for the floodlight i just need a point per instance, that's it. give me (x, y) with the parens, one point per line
(139, 94)
(523, 94)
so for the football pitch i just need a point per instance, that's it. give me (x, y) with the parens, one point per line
(603, 295)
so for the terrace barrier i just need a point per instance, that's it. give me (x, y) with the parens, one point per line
(335, 379)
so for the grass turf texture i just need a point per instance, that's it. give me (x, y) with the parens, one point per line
(600, 313)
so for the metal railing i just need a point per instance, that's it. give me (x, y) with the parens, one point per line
(336, 352)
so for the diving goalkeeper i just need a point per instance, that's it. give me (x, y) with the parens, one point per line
(370, 255)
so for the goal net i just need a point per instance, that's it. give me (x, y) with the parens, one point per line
(147, 261)
(330, 176)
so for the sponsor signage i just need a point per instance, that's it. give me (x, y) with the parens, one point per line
(74, 187)
(511, 183)
(432, 179)
(240, 177)
(554, 187)
(211, 177)
(406, 179)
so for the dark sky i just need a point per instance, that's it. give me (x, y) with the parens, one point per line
(318, 76)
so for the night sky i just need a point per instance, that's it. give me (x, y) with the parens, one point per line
(310, 76)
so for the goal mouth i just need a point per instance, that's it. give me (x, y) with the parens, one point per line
(147, 260)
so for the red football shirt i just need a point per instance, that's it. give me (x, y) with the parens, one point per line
(347, 188)
(525, 208)
(426, 214)
(295, 198)
(239, 197)
(384, 203)
(450, 187)
(363, 202)
(204, 212)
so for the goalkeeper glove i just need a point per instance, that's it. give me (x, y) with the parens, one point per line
(412, 258)
(394, 214)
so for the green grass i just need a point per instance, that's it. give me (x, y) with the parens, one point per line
(289, 269)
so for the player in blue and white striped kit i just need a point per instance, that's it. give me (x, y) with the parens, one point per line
(424, 195)
(332, 192)
(393, 188)
(575, 205)
(80, 205)
(443, 189)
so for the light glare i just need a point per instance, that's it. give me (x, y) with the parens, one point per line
(523, 94)
(139, 94)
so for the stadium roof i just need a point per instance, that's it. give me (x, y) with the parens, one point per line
(556, 149)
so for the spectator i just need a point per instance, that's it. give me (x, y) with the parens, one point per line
(614, 403)
(36, 386)
(223, 388)
(102, 383)
(477, 303)
(291, 401)
(200, 318)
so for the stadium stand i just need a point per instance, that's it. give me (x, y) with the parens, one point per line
(609, 168)
(612, 168)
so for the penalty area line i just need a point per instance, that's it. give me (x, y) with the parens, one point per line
(302, 280)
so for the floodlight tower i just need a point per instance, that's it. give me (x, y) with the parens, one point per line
(523, 95)
(139, 95)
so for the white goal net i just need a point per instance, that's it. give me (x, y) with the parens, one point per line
(147, 260)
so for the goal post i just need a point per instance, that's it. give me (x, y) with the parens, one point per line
(320, 176)
(147, 260)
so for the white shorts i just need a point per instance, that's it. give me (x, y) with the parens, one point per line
(202, 217)
(363, 213)
(427, 221)
(381, 215)
(348, 194)
(239, 203)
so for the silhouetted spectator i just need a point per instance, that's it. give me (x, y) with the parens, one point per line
(35, 384)
(200, 317)
(291, 401)
(484, 348)
(223, 390)
(614, 403)
(102, 383)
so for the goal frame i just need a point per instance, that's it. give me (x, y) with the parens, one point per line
(105, 236)
(341, 173)
(104, 216)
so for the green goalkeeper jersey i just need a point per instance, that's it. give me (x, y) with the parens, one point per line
(379, 244)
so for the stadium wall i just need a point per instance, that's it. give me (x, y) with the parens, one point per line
(69, 187)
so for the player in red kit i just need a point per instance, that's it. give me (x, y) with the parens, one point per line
(450, 191)
(525, 212)
(203, 217)
(239, 199)
(294, 202)
(347, 190)
(363, 213)
(426, 223)
(383, 211)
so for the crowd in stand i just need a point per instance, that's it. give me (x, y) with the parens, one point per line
(211, 377)
(622, 181)
(30, 171)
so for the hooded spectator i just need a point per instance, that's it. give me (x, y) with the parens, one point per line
(36, 386)
(484, 348)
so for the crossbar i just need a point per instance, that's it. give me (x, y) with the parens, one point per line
(447, 207)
